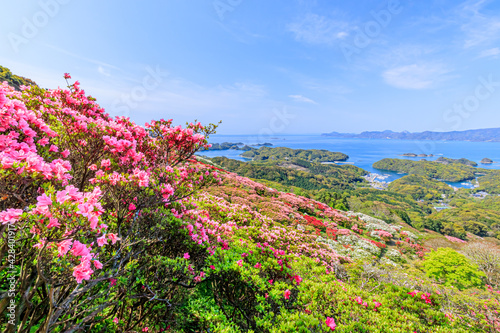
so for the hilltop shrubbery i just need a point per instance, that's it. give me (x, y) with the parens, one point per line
(119, 228)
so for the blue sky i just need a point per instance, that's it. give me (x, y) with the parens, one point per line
(282, 66)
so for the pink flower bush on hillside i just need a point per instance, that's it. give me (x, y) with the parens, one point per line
(85, 170)
(455, 240)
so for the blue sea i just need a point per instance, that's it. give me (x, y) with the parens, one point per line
(364, 152)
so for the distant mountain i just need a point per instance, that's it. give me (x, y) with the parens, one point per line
(487, 134)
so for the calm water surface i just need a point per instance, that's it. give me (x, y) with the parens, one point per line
(364, 152)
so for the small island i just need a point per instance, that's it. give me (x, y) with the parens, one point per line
(486, 161)
(416, 155)
(288, 154)
(237, 146)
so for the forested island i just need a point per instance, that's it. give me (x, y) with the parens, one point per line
(282, 153)
(448, 171)
(237, 146)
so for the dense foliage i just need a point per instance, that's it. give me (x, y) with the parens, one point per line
(107, 226)
(489, 181)
(309, 176)
(477, 216)
(453, 172)
(452, 269)
(464, 161)
(283, 153)
(230, 145)
(15, 81)
(420, 187)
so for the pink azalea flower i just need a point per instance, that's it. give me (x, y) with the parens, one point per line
(116, 320)
(82, 271)
(258, 265)
(186, 255)
(287, 294)
(413, 293)
(113, 238)
(53, 148)
(43, 142)
(240, 263)
(65, 153)
(330, 322)
(97, 264)
(67, 76)
(298, 279)
(102, 240)
(105, 163)
(270, 281)
(79, 249)
(53, 223)
(112, 282)
(44, 200)
(131, 207)
(64, 246)
(62, 196)
(212, 266)
(10, 215)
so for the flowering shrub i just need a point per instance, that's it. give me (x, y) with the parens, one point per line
(394, 255)
(83, 190)
(407, 235)
(455, 240)
(119, 228)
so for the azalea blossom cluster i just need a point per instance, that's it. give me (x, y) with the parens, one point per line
(424, 296)
(455, 240)
(25, 138)
(86, 170)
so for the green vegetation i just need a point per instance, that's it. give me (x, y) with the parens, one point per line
(234, 146)
(464, 161)
(452, 269)
(222, 253)
(477, 216)
(316, 177)
(490, 181)
(453, 172)
(389, 206)
(420, 187)
(281, 153)
(14, 80)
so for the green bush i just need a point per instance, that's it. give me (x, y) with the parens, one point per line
(453, 269)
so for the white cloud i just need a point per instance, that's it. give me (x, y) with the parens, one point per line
(415, 76)
(300, 98)
(103, 71)
(317, 29)
(494, 52)
(479, 27)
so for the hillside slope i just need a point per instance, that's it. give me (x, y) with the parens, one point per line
(119, 228)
